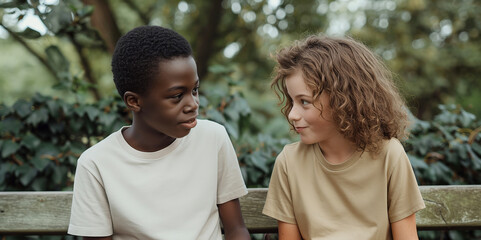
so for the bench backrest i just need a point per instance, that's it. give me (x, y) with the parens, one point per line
(447, 207)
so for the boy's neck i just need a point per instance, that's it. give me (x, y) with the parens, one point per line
(146, 141)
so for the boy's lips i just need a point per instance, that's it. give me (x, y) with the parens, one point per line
(191, 123)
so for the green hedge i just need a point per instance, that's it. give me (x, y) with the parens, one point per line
(41, 139)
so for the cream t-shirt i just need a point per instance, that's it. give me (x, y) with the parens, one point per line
(357, 199)
(169, 194)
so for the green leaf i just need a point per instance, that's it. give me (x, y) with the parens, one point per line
(9, 148)
(40, 163)
(59, 18)
(116, 126)
(79, 110)
(28, 176)
(47, 149)
(66, 108)
(215, 116)
(57, 127)
(417, 163)
(107, 119)
(203, 102)
(241, 105)
(232, 114)
(58, 61)
(445, 131)
(232, 130)
(30, 141)
(92, 112)
(4, 110)
(476, 147)
(59, 173)
(11, 125)
(466, 118)
(459, 148)
(38, 116)
(53, 106)
(259, 161)
(20, 4)
(40, 99)
(72, 160)
(75, 125)
(30, 33)
(476, 161)
(23, 108)
(4, 169)
(40, 184)
(85, 11)
(89, 38)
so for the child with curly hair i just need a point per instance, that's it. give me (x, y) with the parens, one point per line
(349, 176)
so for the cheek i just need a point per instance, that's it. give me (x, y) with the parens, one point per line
(314, 116)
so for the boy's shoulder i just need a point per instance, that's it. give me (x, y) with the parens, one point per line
(207, 126)
(110, 143)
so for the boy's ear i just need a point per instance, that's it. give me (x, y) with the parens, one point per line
(133, 101)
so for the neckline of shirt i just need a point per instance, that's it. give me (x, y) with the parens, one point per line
(147, 155)
(336, 167)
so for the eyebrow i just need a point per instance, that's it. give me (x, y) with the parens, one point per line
(174, 88)
(302, 95)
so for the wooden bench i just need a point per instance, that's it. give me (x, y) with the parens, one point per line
(42, 213)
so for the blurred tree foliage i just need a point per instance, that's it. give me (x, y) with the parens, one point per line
(432, 46)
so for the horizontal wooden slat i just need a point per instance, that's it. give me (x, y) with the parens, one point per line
(447, 207)
(450, 207)
(34, 212)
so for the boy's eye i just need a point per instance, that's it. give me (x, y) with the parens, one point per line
(195, 90)
(177, 96)
(304, 102)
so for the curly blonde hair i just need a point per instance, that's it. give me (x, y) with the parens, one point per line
(366, 105)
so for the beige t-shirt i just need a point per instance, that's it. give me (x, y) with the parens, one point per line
(168, 194)
(357, 199)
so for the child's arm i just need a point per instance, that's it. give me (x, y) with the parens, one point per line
(232, 221)
(288, 231)
(405, 228)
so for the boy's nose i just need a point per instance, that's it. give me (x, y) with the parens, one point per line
(192, 104)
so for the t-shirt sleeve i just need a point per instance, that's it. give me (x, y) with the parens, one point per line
(404, 197)
(90, 214)
(230, 184)
(278, 203)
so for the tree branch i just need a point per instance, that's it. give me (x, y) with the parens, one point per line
(102, 19)
(206, 37)
(86, 66)
(22, 42)
(144, 17)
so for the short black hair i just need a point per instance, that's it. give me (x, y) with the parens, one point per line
(138, 53)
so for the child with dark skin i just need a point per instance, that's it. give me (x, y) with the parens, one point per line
(168, 175)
